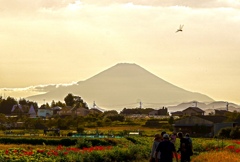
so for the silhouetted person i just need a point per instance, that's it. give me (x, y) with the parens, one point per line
(185, 148)
(156, 141)
(166, 149)
(187, 136)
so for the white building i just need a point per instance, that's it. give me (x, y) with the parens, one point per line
(45, 112)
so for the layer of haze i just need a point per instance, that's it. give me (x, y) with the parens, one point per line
(65, 41)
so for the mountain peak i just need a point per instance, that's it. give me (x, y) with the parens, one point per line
(125, 64)
(126, 71)
(124, 83)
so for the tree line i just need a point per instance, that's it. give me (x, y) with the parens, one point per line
(7, 104)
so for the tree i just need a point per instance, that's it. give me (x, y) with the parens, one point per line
(110, 112)
(117, 117)
(232, 116)
(47, 105)
(7, 104)
(28, 122)
(53, 104)
(3, 118)
(61, 124)
(235, 133)
(225, 132)
(23, 101)
(171, 120)
(75, 101)
(78, 122)
(60, 104)
(39, 123)
(80, 129)
(69, 100)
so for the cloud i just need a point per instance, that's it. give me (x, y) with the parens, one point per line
(26, 6)
(167, 3)
(31, 90)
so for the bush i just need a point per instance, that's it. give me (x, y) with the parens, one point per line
(67, 142)
(82, 142)
(80, 129)
(235, 133)
(225, 132)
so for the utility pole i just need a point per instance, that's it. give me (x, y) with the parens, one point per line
(140, 104)
(195, 103)
(227, 106)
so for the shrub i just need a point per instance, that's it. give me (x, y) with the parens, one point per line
(67, 142)
(225, 132)
(235, 133)
(83, 142)
(80, 129)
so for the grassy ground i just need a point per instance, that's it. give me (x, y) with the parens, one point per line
(146, 131)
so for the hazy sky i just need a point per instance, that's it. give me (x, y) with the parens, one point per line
(63, 41)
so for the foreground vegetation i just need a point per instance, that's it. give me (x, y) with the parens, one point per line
(231, 152)
(111, 149)
(218, 156)
(125, 149)
(23, 139)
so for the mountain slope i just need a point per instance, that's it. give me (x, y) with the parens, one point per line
(123, 84)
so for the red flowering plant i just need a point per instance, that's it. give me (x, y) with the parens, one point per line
(234, 147)
(40, 154)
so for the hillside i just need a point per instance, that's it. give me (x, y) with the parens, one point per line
(207, 107)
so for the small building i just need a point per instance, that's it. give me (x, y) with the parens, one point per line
(95, 109)
(152, 113)
(45, 112)
(81, 111)
(190, 111)
(221, 112)
(32, 113)
(163, 111)
(65, 111)
(177, 113)
(23, 110)
(69, 111)
(18, 110)
(202, 125)
(56, 109)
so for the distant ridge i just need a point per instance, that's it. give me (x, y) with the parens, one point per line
(123, 85)
(218, 105)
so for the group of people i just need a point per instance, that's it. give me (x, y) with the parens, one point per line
(163, 148)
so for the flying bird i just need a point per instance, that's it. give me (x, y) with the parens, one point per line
(179, 29)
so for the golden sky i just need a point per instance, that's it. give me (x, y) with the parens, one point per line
(64, 41)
